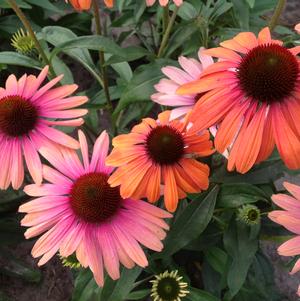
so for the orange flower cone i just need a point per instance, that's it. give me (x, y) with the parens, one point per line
(159, 157)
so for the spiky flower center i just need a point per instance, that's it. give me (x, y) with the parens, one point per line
(268, 73)
(165, 145)
(168, 289)
(18, 116)
(92, 198)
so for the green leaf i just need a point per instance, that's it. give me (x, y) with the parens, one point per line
(138, 295)
(236, 195)
(45, 4)
(61, 68)
(140, 88)
(217, 258)
(57, 35)
(191, 223)
(101, 43)
(85, 286)
(241, 244)
(264, 173)
(199, 295)
(130, 54)
(21, 4)
(251, 3)
(120, 289)
(14, 58)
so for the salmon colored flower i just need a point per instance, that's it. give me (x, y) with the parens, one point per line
(167, 87)
(79, 213)
(253, 95)
(86, 4)
(290, 219)
(159, 156)
(81, 4)
(109, 3)
(26, 110)
(164, 2)
(297, 28)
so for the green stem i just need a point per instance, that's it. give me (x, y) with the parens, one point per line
(29, 29)
(101, 56)
(166, 18)
(167, 33)
(277, 13)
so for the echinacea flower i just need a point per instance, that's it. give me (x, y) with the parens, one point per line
(253, 94)
(167, 87)
(297, 28)
(81, 4)
(168, 286)
(249, 214)
(289, 218)
(26, 110)
(86, 4)
(23, 42)
(163, 2)
(78, 211)
(160, 156)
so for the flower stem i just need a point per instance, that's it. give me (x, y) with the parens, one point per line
(101, 57)
(13, 4)
(277, 13)
(166, 18)
(167, 33)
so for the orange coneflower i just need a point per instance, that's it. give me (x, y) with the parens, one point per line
(158, 156)
(86, 4)
(253, 95)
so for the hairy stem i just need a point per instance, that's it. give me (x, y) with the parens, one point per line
(277, 13)
(166, 36)
(101, 56)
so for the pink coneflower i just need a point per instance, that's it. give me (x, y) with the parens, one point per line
(253, 94)
(167, 87)
(163, 2)
(26, 110)
(290, 219)
(80, 212)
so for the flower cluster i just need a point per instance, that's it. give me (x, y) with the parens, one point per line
(98, 209)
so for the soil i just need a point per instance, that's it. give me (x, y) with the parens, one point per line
(56, 283)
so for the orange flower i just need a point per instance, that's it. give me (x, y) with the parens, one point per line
(86, 4)
(81, 4)
(253, 96)
(158, 157)
(109, 3)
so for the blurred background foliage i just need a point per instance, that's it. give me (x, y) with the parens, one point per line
(217, 251)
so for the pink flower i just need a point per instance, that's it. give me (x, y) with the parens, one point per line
(290, 219)
(164, 2)
(78, 211)
(26, 110)
(297, 28)
(167, 87)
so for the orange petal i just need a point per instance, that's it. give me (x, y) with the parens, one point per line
(209, 82)
(223, 53)
(170, 188)
(246, 39)
(229, 127)
(286, 141)
(251, 142)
